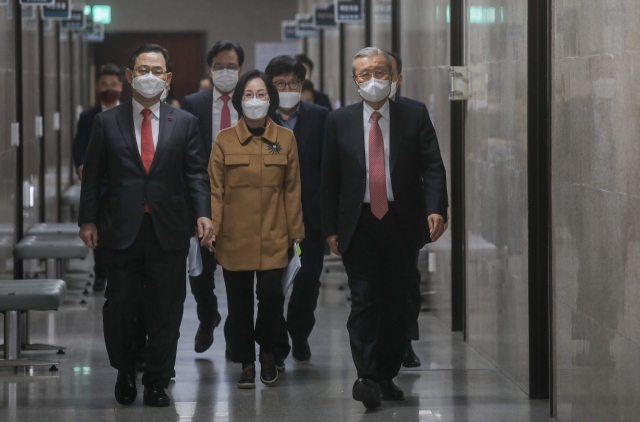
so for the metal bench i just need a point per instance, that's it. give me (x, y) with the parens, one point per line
(17, 298)
(53, 249)
(52, 229)
(72, 196)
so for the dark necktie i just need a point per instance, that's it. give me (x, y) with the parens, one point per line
(377, 178)
(225, 118)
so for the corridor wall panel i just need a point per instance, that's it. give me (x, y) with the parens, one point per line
(67, 131)
(425, 46)
(51, 106)
(496, 186)
(31, 109)
(354, 42)
(7, 152)
(596, 209)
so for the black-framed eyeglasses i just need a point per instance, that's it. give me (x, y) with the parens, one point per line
(144, 70)
(293, 85)
(366, 76)
(230, 66)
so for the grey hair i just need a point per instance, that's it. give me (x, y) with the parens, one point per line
(370, 52)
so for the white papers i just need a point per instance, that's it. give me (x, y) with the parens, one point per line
(194, 261)
(292, 268)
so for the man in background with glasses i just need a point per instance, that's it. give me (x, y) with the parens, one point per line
(384, 196)
(152, 158)
(215, 112)
(307, 121)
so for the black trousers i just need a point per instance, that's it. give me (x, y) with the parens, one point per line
(98, 265)
(162, 274)
(202, 288)
(241, 334)
(380, 266)
(304, 294)
(414, 302)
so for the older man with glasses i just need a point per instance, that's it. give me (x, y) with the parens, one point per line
(384, 195)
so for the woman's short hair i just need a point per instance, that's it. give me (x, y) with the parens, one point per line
(238, 93)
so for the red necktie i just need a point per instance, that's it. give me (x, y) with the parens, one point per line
(225, 119)
(147, 150)
(377, 178)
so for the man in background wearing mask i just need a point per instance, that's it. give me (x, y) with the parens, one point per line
(384, 196)
(215, 112)
(108, 88)
(307, 121)
(152, 158)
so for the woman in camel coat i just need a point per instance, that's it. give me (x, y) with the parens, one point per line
(257, 216)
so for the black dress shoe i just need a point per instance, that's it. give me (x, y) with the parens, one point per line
(390, 391)
(155, 397)
(367, 391)
(410, 359)
(301, 352)
(268, 371)
(204, 337)
(126, 391)
(279, 362)
(248, 378)
(99, 284)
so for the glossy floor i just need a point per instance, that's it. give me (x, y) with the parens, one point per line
(454, 383)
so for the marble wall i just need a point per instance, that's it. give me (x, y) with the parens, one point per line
(50, 135)
(596, 209)
(7, 152)
(425, 44)
(496, 186)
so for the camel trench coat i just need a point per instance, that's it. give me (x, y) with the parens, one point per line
(255, 197)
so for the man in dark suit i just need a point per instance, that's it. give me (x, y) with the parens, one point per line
(214, 111)
(307, 121)
(319, 97)
(384, 195)
(108, 88)
(152, 157)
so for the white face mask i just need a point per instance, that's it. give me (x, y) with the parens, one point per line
(394, 89)
(374, 90)
(148, 85)
(164, 95)
(289, 100)
(255, 109)
(225, 80)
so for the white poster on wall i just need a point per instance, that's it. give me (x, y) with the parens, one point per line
(265, 51)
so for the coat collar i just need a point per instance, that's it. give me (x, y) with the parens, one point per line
(243, 133)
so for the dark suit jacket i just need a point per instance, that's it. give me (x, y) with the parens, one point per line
(322, 99)
(200, 105)
(401, 99)
(418, 176)
(83, 133)
(309, 132)
(178, 170)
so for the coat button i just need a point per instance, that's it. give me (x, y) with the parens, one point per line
(144, 201)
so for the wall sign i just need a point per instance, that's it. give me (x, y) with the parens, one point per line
(324, 15)
(77, 22)
(94, 32)
(349, 10)
(60, 10)
(289, 32)
(304, 24)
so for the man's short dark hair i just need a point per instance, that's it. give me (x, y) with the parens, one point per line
(284, 65)
(150, 48)
(109, 69)
(225, 45)
(398, 60)
(238, 93)
(304, 59)
(307, 85)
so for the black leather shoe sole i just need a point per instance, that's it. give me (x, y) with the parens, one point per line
(411, 362)
(156, 403)
(367, 395)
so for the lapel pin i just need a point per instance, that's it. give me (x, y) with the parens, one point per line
(170, 119)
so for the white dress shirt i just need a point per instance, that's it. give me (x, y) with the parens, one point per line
(385, 126)
(155, 123)
(217, 111)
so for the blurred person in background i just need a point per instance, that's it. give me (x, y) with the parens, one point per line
(108, 88)
(214, 111)
(307, 94)
(257, 217)
(206, 82)
(320, 98)
(307, 121)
